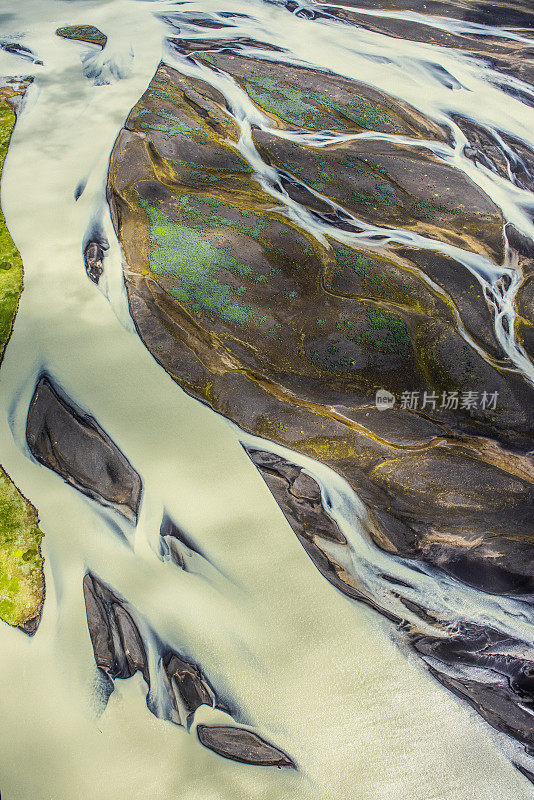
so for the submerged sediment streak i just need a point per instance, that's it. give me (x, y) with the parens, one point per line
(310, 208)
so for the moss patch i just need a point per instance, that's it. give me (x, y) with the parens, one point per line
(83, 33)
(184, 253)
(385, 333)
(21, 563)
(312, 108)
(10, 261)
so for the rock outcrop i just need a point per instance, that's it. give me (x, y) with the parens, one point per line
(117, 645)
(72, 444)
(83, 33)
(479, 664)
(93, 256)
(239, 744)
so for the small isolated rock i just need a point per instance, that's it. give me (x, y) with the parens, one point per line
(117, 644)
(240, 744)
(93, 257)
(73, 445)
(188, 688)
(83, 33)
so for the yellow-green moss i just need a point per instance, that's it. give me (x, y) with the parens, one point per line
(10, 261)
(83, 33)
(21, 564)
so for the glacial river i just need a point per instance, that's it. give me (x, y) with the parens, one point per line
(321, 676)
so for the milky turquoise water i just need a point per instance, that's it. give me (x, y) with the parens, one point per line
(319, 676)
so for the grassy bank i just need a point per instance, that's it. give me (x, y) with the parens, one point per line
(21, 563)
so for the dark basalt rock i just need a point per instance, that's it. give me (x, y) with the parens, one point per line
(492, 701)
(502, 686)
(194, 45)
(173, 538)
(188, 689)
(299, 498)
(302, 496)
(30, 626)
(93, 257)
(242, 745)
(119, 653)
(524, 771)
(72, 444)
(117, 645)
(19, 50)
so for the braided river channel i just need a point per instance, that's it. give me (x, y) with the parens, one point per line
(258, 584)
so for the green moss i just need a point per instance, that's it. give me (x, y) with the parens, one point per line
(83, 33)
(370, 277)
(206, 57)
(385, 333)
(21, 564)
(182, 252)
(10, 261)
(311, 108)
(325, 448)
(428, 208)
(170, 124)
(362, 266)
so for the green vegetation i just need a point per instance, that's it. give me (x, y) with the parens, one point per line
(83, 33)
(427, 208)
(311, 108)
(170, 124)
(182, 252)
(206, 57)
(376, 333)
(362, 266)
(21, 563)
(10, 261)
(385, 333)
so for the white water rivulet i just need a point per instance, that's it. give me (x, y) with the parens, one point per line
(323, 677)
